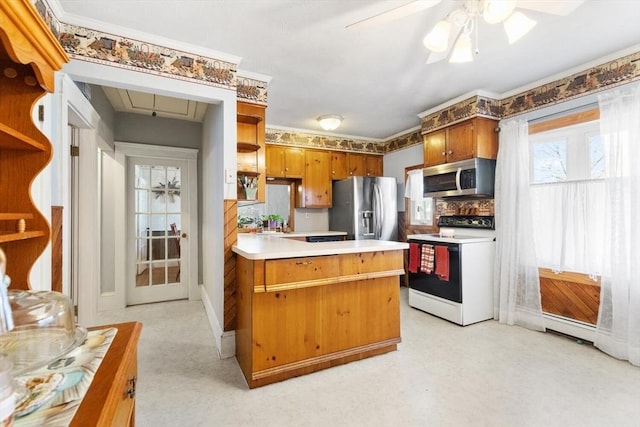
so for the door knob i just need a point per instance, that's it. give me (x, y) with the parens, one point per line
(184, 235)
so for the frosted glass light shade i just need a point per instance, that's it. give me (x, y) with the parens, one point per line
(438, 38)
(462, 49)
(517, 25)
(330, 121)
(496, 11)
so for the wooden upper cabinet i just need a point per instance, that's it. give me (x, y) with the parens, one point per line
(466, 140)
(29, 57)
(373, 165)
(339, 166)
(364, 164)
(356, 164)
(285, 162)
(317, 179)
(435, 148)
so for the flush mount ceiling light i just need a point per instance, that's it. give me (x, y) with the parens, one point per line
(330, 121)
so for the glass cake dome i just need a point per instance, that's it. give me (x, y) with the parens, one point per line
(44, 329)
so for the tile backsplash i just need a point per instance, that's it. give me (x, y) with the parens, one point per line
(483, 207)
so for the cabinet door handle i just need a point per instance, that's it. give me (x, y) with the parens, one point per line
(304, 262)
(131, 391)
(450, 152)
(444, 153)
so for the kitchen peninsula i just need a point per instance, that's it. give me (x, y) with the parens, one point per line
(303, 307)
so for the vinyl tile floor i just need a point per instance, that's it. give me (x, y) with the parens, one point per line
(486, 374)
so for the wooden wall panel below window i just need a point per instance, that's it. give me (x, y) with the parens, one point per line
(571, 295)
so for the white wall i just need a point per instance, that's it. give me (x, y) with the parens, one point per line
(218, 155)
(311, 220)
(395, 163)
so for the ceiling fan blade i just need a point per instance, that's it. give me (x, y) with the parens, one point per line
(455, 32)
(396, 13)
(562, 8)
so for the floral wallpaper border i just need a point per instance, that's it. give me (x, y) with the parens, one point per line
(605, 76)
(90, 45)
(336, 143)
(471, 107)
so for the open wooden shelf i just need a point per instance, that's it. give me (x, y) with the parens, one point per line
(248, 173)
(8, 216)
(12, 237)
(247, 147)
(14, 140)
(249, 118)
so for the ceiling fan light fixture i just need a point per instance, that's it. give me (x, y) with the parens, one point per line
(330, 121)
(438, 38)
(517, 25)
(462, 51)
(496, 11)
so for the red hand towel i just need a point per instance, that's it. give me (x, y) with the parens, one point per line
(414, 257)
(442, 262)
(426, 259)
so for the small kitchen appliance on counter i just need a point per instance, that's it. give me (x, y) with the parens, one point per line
(451, 273)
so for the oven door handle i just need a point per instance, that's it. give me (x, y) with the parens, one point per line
(452, 247)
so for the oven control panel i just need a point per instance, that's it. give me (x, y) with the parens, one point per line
(467, 221)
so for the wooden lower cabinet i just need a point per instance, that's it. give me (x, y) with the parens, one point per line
(300, 315)
(110, 400)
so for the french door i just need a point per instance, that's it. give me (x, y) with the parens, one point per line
(156, 218)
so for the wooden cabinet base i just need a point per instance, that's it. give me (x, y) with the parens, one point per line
(110, 399)
(319, 363)
(290, 325)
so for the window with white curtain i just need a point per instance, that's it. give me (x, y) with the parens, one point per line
(567, 197)
(421, 211)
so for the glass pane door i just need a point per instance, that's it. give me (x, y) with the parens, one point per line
(157, 218)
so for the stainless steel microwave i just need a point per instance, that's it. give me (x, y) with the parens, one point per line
(473, 177)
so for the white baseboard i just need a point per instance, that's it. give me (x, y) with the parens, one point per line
(574, 328)
(225, 341)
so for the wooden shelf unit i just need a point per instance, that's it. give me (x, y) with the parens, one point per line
(250, 146)
(29, 57)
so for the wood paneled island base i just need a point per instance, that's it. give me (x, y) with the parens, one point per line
(300, 315)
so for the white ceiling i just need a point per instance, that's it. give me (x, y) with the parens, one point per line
(157, 105)
(376, 76)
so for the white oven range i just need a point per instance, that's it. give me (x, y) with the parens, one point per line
(466, 295)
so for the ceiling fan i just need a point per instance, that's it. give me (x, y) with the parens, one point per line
(452, 35)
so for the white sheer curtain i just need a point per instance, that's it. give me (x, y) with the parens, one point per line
(618, 328)
(516, 282)
(567, 225)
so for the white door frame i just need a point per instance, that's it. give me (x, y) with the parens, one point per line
(189, 268)
(69, 106)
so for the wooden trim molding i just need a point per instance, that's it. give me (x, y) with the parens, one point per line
(564, 121)
(338, 358)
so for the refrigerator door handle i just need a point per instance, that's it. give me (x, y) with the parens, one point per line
(378, 219)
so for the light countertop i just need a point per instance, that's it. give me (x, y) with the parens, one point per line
(267, 246)
(453, 239)
(302, 233)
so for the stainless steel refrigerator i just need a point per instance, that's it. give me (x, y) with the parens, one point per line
(365, 208)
